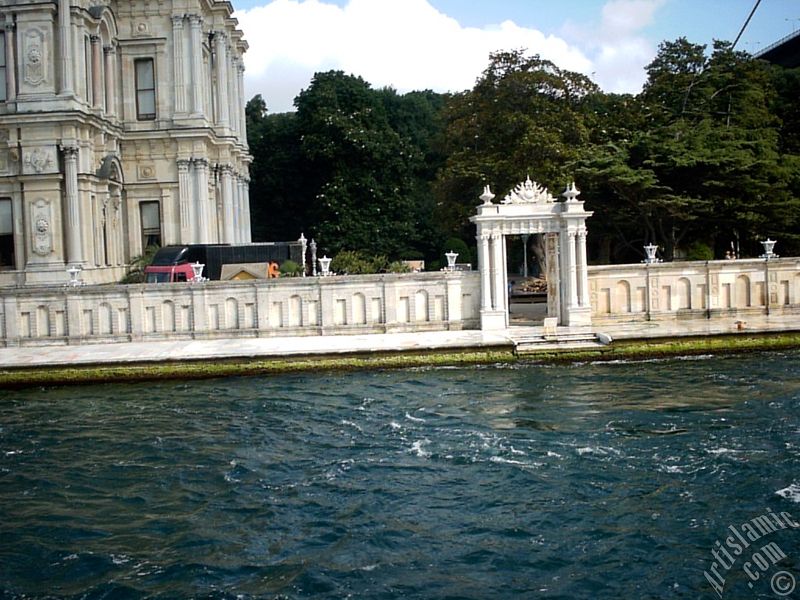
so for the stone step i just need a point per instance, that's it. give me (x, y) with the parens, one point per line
(550, 345)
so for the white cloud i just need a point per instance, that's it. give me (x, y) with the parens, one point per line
(617, 47)
(409, 45)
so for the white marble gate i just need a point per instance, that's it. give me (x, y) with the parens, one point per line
(530, 208)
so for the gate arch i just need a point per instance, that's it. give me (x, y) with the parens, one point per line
(530, 208)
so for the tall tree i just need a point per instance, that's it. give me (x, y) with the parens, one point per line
(524, 116)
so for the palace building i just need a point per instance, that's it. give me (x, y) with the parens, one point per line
(122, 125)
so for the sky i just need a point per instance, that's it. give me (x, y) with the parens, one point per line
(444, 45)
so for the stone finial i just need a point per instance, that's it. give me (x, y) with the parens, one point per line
(487, 196)
(571, 193)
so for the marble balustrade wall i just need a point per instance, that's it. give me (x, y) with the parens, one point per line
(257, 308)
(697, 289)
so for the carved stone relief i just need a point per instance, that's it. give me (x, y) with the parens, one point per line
(41, 223)
(654, 299)
(147, 172)
(39, 160)
(35, 57)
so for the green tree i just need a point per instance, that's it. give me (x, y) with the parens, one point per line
(362, 170)
(703, 165)
(524, 116)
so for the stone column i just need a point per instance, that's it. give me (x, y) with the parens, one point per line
(11, 77)
(583, 271)
(231, 95)
(227, 205)
(64, 48)
(553, 261)
(572, 272)
(115, 241)
(179, 77)
(485, 271)
(240, 104)
(237, 208)
(500, 290)
(184, 202)
(196, 22)
(248, 232)
(73, 212)
(111, 99)
(201, 195)
(220, 42)
(97, 92)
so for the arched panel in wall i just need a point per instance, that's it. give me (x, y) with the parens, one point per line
(295, 311)
(104, 324)
(421, 306)
(359, 309)
(684, 293)
(742, 298)
(168, 315)
(231, 313)
(622, 300)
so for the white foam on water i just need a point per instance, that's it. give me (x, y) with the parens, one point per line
(790, 493)
(510, 461)
(353, 425)
(395, 425)
(722, 451)
(415, 419)
(417, 448)
(591, 450)
(552, 454)
(671, 469)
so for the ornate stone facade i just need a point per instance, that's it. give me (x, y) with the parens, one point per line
(121, 123)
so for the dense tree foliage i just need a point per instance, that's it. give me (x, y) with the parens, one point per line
(524, 116)
(705, 159)
(352, 167)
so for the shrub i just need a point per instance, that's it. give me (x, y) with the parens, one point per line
(289, 268)
(138, 264)
(351, 262)
(699, 251)
(357, 263)
(454, 244)
(398, 266)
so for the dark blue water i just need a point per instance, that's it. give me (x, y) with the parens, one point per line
(582, 481)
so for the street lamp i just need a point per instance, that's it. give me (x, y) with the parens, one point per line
(650, 254)
(325, 266)
(197, 271)
(73, 272)
(768, 246)
(451, 260)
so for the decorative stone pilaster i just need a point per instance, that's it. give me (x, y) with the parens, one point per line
(227, 205)
(73, 212)
(65, 50)
(184, 202)
(196, 24)
(179, 75)
(202, 207)
(97, 91)
(221, 44)
(111, 97)
(11, 77)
